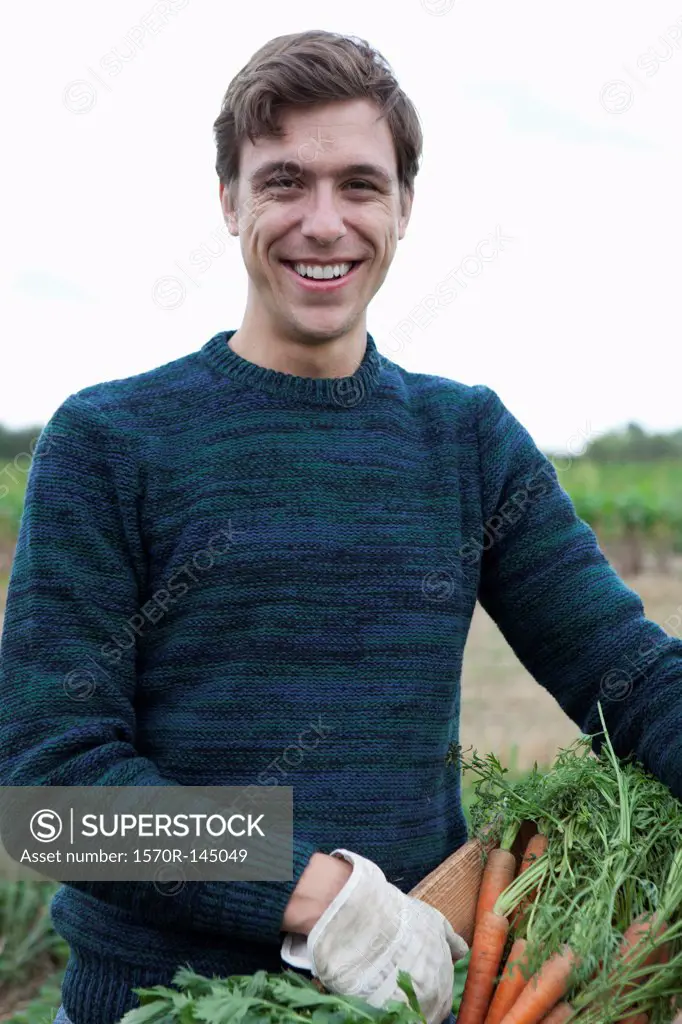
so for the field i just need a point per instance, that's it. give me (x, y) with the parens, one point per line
(506, 711)
(11, 503)
(636, 513)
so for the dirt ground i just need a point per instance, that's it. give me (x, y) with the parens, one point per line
(502, 705)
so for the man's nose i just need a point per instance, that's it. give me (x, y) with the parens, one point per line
(323, 219)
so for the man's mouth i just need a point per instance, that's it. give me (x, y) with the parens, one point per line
(322, 276)
(323, 271)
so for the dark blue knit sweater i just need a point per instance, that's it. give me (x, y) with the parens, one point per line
(226, 575)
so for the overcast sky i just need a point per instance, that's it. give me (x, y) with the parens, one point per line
(554, 126)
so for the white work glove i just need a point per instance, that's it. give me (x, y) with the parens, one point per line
(369, 932)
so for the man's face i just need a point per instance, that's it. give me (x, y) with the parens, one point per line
(324, 194)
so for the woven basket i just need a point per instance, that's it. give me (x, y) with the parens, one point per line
(453, 887)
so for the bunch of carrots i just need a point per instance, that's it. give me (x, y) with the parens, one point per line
(588, 926)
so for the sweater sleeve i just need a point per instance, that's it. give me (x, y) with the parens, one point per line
(78, 572)
(567, 615)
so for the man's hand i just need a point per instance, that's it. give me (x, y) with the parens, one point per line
(371, 930)
(323, 879)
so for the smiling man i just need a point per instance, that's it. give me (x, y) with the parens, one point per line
(319, 213)
(348, 514)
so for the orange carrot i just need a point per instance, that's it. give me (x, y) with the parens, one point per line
(487, 948)
(543, 990)
(497, 875)
(633, 945)
(634, 942)
(537, 845)
(510, 985)
(560, 1014)
(636, 935)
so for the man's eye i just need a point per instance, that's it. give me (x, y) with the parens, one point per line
(367, 184)
(279, 182)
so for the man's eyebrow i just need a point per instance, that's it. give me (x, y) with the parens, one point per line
(291, 167)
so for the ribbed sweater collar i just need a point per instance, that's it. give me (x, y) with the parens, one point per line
(338, 392)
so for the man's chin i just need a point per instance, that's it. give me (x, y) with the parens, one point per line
(324, 328)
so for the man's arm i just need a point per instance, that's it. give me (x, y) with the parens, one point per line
(570, 619)
(65, 720)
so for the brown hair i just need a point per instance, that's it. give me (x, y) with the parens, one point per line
(304, 69)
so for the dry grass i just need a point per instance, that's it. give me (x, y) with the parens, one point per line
(504, 708)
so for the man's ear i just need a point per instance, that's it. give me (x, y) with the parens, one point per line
(229, 208)
(405, 212)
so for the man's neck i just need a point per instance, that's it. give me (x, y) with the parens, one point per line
(302, 356)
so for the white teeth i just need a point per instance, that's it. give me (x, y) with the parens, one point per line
(320, 273)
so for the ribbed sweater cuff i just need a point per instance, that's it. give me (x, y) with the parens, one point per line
(254, 910)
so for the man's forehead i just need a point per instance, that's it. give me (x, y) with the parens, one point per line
(343, 117)
(333, 129)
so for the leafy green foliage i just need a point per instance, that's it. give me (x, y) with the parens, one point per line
(26, 931)
(42, 1009)
(11, 506)
(263, 997)
(614, 498)
(14, 443)
(461, 968)
(634, 444)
